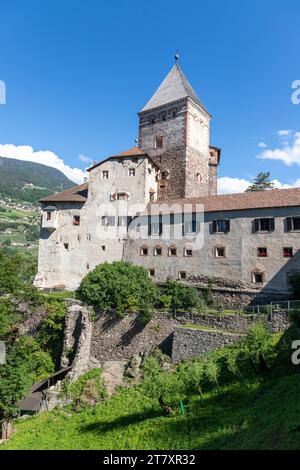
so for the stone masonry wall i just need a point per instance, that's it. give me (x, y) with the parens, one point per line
(118, 339)
(77, 339)
(189, 342)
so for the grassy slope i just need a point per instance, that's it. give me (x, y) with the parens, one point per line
(261, 417)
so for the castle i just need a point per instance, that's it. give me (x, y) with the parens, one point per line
(156, 205)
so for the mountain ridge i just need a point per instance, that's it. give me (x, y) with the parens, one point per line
(25, 181)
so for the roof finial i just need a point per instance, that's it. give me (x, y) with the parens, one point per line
(176, 57)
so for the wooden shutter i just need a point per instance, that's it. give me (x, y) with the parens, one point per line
(272, 224)
(214, 226)
(256, 225)
(227, 225)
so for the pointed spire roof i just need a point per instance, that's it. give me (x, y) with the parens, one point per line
(174, 87)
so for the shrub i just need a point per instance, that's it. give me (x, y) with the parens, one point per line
(257, 346)
(88, 389)
(119, 287)
(7, 317)
(26, 352)
(181, 297)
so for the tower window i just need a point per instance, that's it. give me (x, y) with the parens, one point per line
(66, 246)
(258, 278)
(105, 175)
(287, 252)
(188, 252)
(220, 252)
(262, 252)
(103, 248)
(122, 196)
(172, 251)
(157, 251)
(159, 141)
(144, 251)
(131, 172)
(48, 216)
(76, 220)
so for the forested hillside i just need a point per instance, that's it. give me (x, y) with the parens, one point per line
(28, 181)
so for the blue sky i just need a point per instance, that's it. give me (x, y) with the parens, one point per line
(77, 73)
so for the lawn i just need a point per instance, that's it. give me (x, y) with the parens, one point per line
(262, 416)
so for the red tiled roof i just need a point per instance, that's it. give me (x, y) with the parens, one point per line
(241, 201)
(220, 203)
(133, 152)
(75, 194)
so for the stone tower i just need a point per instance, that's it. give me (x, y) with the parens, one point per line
(174, 129)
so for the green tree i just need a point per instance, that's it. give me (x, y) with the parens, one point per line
(261, 183)
(119, 287)
(257, 347)
(8, 317)
(167, 387)
(14, 383)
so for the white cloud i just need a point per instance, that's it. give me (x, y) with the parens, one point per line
(287, 152)
(262, 145)
(85, 159)
(284, 132)
(229, 185)
(46, 157)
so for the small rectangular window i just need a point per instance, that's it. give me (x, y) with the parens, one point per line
(103, 248)
(108, 220)
(258, 278)
(287, 252)
(131, 172)
(152, 272)
(220, 251)
(105, 174)
(172, 251)
(188, 252)
(122, 197)
(157, 251)
(182, 275)
(76, 220)
(293, 223)
(66, 246)
(144, 251)
(159, 141)
(264, 225)
(262, 252)
(221, 226)
(49, 215)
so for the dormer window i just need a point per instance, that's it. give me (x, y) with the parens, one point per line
(159, 141)
(48, 216)
(105, 174)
